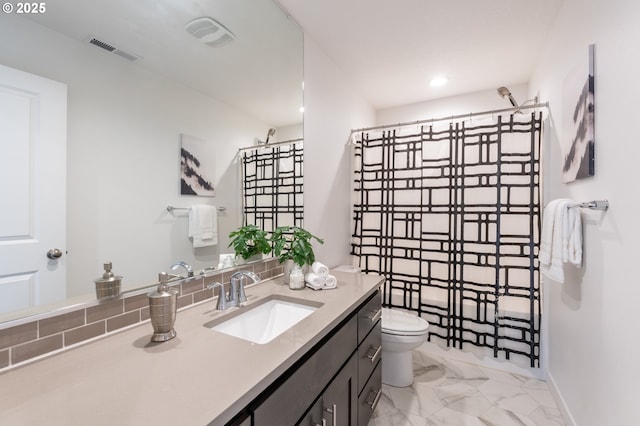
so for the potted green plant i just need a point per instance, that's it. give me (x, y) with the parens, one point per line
(249, 241)
(292, 246)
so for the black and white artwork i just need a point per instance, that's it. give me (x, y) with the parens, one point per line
(578, 122)
(197, 159)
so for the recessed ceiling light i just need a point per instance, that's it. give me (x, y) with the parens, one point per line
(438, 81)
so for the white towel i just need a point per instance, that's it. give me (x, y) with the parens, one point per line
(314, 281)
(330, 282)
(203, 225)
(320, 269)
(546, 235)
(572, 240)
(561, 238)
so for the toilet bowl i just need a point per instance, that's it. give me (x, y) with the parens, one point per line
(401, 333)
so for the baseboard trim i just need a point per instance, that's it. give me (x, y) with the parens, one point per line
(562, 406)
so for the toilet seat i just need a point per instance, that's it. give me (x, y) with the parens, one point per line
(401, 323)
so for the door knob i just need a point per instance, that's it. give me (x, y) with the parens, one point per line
(54, 253)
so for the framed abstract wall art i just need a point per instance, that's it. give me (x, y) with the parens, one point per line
(197, 161)
(578, 120)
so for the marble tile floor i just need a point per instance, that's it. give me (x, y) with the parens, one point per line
(450, 392)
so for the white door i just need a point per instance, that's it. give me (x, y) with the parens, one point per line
(33, 139)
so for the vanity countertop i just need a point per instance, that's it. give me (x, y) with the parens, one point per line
(199, 377)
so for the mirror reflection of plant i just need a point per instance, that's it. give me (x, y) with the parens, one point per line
(249, 240)
(294, 243)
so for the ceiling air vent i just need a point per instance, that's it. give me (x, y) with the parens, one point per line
(209, 32)
(109, 47)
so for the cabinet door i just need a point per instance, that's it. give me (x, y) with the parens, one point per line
(287, 403)
(339, 400)
(315, 416)
(370, 396)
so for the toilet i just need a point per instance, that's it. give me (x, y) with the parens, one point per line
(401, 333)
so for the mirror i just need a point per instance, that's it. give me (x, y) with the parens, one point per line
(132, 92)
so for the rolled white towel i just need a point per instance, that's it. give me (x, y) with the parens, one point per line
(314, 281)
(320, 269)
(330, 282)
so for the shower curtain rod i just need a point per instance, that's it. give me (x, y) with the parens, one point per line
(290, 141)
(451, 117)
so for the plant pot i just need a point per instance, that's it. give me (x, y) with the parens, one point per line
(287, 266)
(296, 278)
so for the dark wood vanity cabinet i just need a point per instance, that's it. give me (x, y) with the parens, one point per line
(337, 383)
(337, 405)
(369, 353)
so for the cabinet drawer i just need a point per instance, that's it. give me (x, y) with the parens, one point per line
(286, 404)
(369, 354)
(369, 315)
(368, 400)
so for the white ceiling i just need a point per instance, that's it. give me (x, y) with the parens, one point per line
(259, 73)
(392, 48)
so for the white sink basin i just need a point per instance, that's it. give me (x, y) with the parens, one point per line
(264, 320)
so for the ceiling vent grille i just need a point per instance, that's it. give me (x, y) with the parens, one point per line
(209, 32)
(111, 48)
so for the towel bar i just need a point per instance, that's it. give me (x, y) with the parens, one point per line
(172, 208)
(594, 205)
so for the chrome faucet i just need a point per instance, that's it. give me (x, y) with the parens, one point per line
(237, 296)
(184, 265)
(237, 285)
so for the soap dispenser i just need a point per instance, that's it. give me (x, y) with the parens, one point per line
(108, 285)
(163, 305)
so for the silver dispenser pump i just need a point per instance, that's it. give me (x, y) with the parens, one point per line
(163, 305)
(108, 285)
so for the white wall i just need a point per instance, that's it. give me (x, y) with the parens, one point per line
(594, 348)
(486, 100)
(332, 109)
(124, 157)
(287, 133)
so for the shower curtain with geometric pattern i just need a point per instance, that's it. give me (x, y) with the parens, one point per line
(449, 214)
(272, 186)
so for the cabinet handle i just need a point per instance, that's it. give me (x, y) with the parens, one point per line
(334, 414)
(373, 358)
(376, 316)
(324, 423)
(373, 404)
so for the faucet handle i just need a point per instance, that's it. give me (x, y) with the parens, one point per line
(222, 298)
(207, 269)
